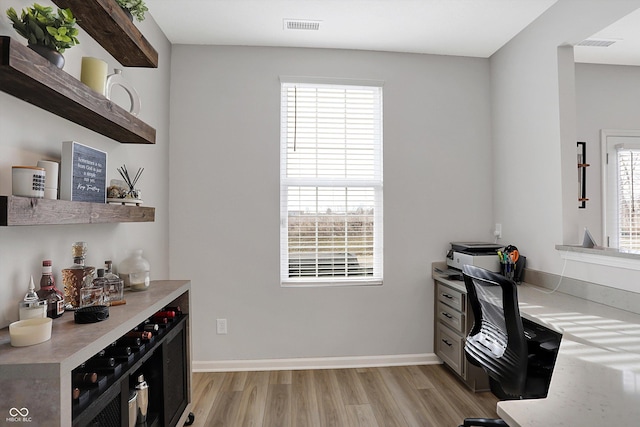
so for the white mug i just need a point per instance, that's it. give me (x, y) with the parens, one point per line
(28, 181)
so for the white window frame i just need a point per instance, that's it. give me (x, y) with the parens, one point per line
(610, 141)
(286, 182)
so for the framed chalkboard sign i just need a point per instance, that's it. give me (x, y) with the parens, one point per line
(83, 173)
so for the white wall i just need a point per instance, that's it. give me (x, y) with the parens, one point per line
(534, 129)
(225, 198)
(606, 98)
(28, 134)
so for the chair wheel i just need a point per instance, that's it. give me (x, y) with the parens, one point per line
(190, 419)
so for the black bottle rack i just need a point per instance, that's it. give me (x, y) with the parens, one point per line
(105, 402)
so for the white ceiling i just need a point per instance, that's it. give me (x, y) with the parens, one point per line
(475, 28)
(625, 50)
(448, 27)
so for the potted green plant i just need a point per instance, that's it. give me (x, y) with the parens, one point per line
(135, 8)
(47, 34)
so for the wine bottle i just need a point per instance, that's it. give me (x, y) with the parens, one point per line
(85, 378)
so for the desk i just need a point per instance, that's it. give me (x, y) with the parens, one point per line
(596, 378)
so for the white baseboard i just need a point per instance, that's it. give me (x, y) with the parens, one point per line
(315, 363)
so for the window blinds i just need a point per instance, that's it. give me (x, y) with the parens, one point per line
(628, 167)
(331, 184)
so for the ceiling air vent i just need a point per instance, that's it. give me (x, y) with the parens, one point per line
(596, 43)
(301, 24)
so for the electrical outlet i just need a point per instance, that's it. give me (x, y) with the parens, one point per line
(498, 231)
(221, 326)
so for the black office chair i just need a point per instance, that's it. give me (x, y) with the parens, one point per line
(518, 368)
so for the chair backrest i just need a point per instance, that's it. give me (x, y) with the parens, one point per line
(496, 342)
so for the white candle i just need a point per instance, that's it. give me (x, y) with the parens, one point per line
(94, 73)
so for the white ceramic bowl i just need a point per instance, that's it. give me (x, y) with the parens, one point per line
(30, 331)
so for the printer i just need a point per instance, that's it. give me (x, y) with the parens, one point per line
(479, 254)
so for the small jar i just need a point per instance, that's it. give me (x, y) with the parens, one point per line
(134, 270)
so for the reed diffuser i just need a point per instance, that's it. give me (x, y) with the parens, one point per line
(132, 193)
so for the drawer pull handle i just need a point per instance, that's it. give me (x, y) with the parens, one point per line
(447, 296)
(447, 315)
(447, 342)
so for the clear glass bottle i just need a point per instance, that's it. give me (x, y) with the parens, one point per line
(94, 293)
(115, 286)
(31, 306)
(48, 292)
(75, 277)
(135, 271)
(108, 271)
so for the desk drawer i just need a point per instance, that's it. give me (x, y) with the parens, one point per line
(451, 297)
(453, 318)
(449, 347)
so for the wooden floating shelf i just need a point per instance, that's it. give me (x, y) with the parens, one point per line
(110, 26)
(16, 210)
(28, 76)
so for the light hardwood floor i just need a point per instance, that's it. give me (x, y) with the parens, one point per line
(425, 396)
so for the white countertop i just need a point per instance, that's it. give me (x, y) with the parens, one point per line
(596, 378)
(590, 386)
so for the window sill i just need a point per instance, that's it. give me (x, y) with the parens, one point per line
(323, 284)
(601, 256)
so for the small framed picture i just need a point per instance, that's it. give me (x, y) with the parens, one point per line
(83, 173)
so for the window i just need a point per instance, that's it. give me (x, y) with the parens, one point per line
(331, 184)
(622, 191)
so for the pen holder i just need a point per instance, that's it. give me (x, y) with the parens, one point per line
(507, 269)
(513, 271)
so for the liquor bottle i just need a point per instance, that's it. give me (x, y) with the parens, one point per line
(76, 276)
(108, 271)
(115, 285)
(31, 306)
(94, 293)
(49, 292)
(100, 281)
